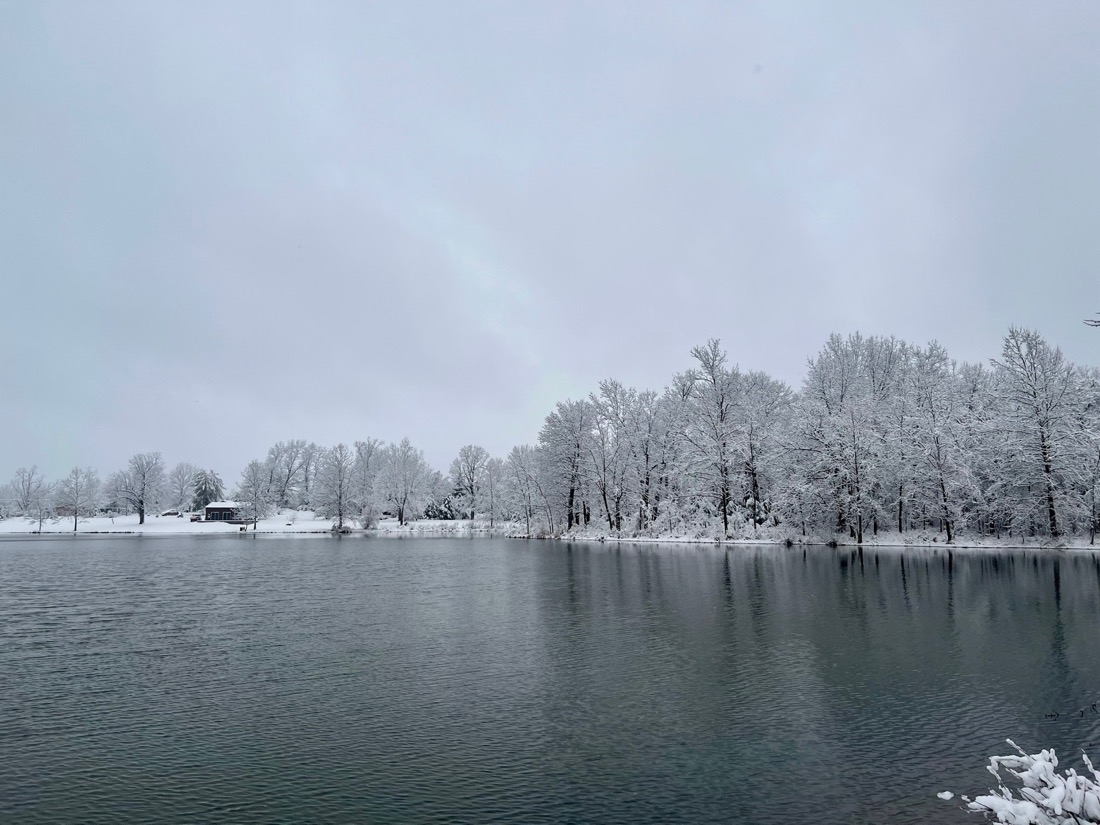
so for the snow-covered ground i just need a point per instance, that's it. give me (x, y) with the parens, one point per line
(293, 522)
(782, 535)
(304, 521)
(288, 521)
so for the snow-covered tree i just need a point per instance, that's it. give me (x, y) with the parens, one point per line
(28, 490)
(494, 475)
(607, 449)
(207, 487)
(712, 394)
(403, 480)
(653, 453)
(1087, 463)
(764, 408)
(468, 477)
(563, 442)
(940, 440)
(881, 434)
(31, 495)
(334, 485)
(77, 494)
(839, 432)
(439, 497)
(524, 490)
(142, 484)
(367, 460)
(181, 485)
(286, 462)
(254, 492)
(1037, 388)
(310, 460)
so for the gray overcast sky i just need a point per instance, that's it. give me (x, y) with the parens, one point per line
(226, 224)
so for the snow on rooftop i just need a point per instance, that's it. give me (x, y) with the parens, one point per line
(223, 504)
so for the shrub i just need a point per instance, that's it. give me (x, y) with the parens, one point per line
(1045, 797)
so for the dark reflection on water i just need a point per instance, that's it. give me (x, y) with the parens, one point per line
(446, 680)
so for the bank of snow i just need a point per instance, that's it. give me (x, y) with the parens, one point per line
(305, 521)
(286, 522)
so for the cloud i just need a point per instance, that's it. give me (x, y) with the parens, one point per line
(233, 224)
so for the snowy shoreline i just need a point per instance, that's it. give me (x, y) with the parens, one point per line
(306, 523)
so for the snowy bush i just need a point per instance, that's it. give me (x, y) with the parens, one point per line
(1045, 797)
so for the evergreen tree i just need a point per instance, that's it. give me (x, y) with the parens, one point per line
(208, 488)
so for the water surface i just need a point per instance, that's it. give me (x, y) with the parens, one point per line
(280, 679)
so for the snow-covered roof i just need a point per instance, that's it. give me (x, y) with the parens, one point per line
(232, 504)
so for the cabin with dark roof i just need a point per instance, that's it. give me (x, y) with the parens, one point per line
(229, 511)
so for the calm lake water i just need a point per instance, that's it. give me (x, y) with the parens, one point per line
(364, 680)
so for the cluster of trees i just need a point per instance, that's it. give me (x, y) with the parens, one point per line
(882, 435)
(355, 483)
(345, 483)
(143, 486)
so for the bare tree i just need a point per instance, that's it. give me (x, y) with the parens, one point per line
(709, 439)
(468, 476)
(311, 457)
(519, 489)
(563, 442)
(1038, 386)
(365, 471)
(27, 486)
(333, 487)
(525, 489)
(181, 485)
(494, 474)
(840, 432)
(404, 479)
(78, 493)
(286, 462)
(142, 483)
(31, 495)
(255, 493)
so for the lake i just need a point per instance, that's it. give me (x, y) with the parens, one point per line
(362, 680)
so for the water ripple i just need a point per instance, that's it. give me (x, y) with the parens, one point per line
(474, 680)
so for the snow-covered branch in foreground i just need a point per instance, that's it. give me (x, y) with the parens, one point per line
(1046, 797)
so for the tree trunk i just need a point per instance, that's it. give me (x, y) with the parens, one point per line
(901, 508)
(1051, 515)
(1048, 477)
(946, 512)
(755, 498)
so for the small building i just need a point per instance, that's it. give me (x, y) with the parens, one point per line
(222, 511)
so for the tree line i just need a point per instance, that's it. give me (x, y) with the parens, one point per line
(882, 436)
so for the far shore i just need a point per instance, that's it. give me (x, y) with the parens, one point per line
(290, 523)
